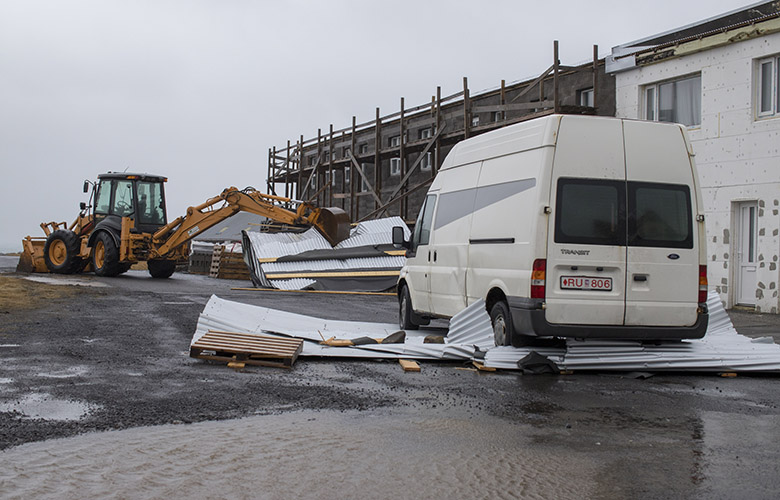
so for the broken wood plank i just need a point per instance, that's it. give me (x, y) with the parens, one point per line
(409, 366)
(481, 367)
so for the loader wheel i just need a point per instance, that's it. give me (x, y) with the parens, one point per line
(105, 256)
(61, 252)
(161, 268)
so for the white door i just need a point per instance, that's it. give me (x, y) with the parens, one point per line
(662, 267)
(746, 253)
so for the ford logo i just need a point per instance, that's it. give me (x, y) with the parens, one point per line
(673, 256)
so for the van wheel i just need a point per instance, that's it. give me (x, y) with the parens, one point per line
(405, 310)
(502, 323)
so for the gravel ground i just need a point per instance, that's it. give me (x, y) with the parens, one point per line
(115, 356)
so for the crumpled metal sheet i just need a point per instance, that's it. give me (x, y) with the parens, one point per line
(721, 349)
(225, 315)
(262, 247)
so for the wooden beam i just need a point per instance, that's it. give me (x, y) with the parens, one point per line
(417, 162)
(533, 83)
(466, 109)
(363, 176)
(396, 200)
(557, 64)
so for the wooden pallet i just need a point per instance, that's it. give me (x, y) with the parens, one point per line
(260, 350)
(232, 266)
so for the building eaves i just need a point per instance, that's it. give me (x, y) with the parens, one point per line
(754, 20)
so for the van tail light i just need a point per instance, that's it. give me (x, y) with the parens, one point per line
(702, 284)
(538, 278)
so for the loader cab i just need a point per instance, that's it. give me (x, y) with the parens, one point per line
(140, 197)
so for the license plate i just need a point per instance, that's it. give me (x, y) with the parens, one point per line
(586, 283)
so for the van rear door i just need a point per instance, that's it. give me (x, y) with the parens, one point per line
(586, 252)
(663, 260)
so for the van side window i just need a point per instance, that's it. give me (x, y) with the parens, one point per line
(659, 215)
(422, 228)
(590, 211)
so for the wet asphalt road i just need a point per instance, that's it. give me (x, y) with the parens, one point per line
(119, 352)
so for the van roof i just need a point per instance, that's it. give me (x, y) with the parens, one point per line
(523, 136)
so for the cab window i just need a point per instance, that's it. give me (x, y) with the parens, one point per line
(151, 209)
(422, 227)
(123, 198)
(103, 200)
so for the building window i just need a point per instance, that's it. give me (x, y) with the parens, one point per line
(313, 182)
(395, 141)
(475, 121)
(768, 87)
(585, 97)
(677, 101)
(346, 175)
(426, 162)
(395, 166)
(345, 153)
(327, 157)
(363, 149)
(426, 133)
(497, 116)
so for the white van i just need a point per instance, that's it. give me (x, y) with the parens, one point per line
(567, 226)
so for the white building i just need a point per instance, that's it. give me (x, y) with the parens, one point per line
(721, 77)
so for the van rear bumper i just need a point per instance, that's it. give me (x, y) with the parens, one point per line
(528, 319)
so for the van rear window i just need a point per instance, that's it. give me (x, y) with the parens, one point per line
(659, 215)
(593, 212)
(589, 212)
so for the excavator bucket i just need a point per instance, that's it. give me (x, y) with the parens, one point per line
(334, 224)
(31, 260)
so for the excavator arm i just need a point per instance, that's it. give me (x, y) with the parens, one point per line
(333, 223)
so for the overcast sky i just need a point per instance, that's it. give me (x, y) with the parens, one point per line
(199, 91)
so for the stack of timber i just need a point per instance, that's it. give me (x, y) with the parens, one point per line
(231, 266)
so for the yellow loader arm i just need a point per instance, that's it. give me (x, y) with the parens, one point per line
(333, 223)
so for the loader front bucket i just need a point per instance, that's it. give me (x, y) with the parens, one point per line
(31, 260)
(333, 223)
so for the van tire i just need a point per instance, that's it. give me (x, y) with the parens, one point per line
(405, 311)
(501, 320)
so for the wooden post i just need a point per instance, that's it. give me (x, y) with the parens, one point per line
(503, 99)
(437, 155)
(329, 194)
(287, 173)
(556, 64)
(377, 155)
(354, 151)
(466, 109)
(299, 187)
(402, 157)
(596, 77)
(270, 170)
(317, 165)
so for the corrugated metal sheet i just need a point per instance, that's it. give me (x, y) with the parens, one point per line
(721, 349)
(374, 232)
(386, 262)
(472, 326)
(292, 284)
(263, 246)
(275, 245)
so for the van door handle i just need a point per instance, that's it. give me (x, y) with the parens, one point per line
(434, 255)
(429, 255)
(640, 277)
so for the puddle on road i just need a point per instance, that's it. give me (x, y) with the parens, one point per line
(47, 407)
(302, 455)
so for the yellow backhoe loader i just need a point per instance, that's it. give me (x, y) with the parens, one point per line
(125, 222)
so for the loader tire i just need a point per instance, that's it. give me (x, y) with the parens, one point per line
(161, 268)
(61, 252)
(105, 256)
